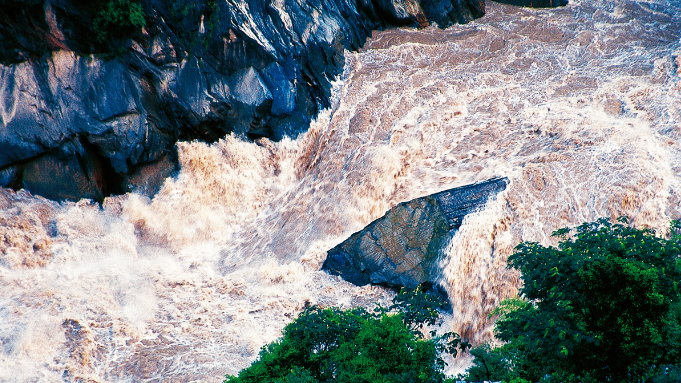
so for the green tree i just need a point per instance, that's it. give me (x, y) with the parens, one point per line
(118, 18)
(355, 345)
(602, 307)
(490, 364)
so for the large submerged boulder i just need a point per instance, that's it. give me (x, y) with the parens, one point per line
(403, 248)
(116, 96)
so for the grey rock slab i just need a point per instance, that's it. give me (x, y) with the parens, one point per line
(403, 248)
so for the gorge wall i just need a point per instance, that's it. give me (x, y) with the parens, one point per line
(90, 108)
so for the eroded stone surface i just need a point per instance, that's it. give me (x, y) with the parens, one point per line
(403, 247)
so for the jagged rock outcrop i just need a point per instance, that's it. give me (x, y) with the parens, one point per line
(97, 113)
(403, 248)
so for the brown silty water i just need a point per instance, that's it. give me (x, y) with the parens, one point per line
(578, 106)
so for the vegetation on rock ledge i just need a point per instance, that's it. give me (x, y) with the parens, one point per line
(118, 18)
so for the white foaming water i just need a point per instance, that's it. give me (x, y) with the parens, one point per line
(578, 106)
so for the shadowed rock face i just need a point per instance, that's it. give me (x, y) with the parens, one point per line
(403, 247)
(198, 70)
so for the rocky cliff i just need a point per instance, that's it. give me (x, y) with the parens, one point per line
(95, 94)
(403, 248)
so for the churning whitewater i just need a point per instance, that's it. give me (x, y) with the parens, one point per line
(580, 107)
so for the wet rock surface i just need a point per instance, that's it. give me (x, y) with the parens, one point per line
(197, 70)
(448, 12)
(403, 248)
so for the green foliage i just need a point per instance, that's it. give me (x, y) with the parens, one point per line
(490, 365)
(602, 307)
(213, 9)
(418, 308)
(519, 380)
(118, 18)
(668, 374)
(355, 345)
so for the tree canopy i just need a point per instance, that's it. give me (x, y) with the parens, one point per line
(118, 17)
(604, 306)
(356, 345)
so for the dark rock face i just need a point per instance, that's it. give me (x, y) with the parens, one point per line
(403, 248)
(447, 12)
(198, 70)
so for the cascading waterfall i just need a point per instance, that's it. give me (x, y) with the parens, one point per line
(580, 107)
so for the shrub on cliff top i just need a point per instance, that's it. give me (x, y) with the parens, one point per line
(118, 18)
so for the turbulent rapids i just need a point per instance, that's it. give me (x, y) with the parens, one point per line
(579, 107)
